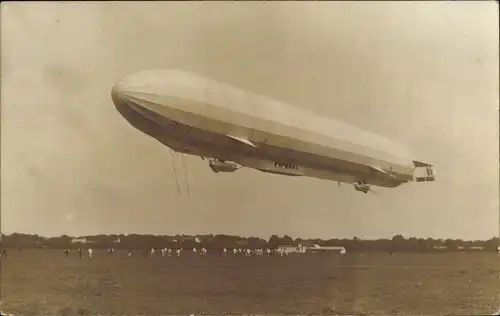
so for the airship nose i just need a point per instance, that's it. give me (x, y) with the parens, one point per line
(119, 100)
(118, 96)
(145, 81)
(126, 86)
(145, 92)
(156, 81)
(128, 90)
(142, 85)
(158, 90)
(116, 93)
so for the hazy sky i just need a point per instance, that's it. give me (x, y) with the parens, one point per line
(422, 73)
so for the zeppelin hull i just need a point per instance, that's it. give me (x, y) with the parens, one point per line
(220, 120)
(272, 153)
(205, 118)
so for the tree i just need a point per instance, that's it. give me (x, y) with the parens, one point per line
(356, 244)
(287, 240)
(492, 244)
(274, 242)
(398, 242)
(225, 241)
(424, 245)
(412, 244)
(451, 244)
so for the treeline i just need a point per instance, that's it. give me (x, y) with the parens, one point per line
(134, 241)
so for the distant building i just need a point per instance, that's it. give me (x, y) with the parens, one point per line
(440, 248)
(332, 249)
(292, 249)
(475, 248)
(82, 240)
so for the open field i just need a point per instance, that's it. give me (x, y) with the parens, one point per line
(46, 283)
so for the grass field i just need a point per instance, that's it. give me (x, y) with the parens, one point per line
(46, 283)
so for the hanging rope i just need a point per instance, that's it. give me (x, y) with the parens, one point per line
(186, 175)
(175, 172)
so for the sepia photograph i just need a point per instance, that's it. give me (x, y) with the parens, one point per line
(249, 158)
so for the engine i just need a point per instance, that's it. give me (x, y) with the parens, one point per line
(222, 166)
(363, 187)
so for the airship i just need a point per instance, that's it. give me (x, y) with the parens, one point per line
(232, 128)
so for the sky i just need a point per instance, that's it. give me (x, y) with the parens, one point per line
(422, 73)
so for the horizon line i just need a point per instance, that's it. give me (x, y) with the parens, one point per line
(244, 236)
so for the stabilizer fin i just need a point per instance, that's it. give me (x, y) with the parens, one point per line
(242, 140)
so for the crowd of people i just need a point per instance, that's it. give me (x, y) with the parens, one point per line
(153, 252)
